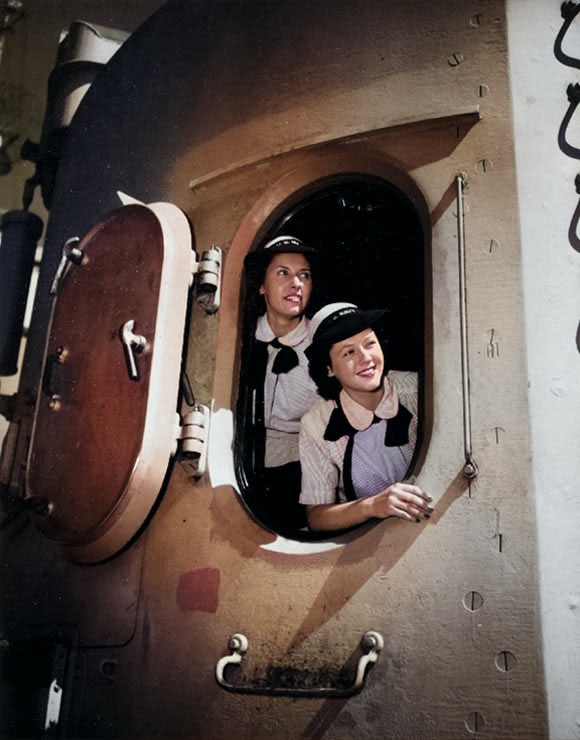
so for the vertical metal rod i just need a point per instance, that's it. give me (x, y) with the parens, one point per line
(469, 469)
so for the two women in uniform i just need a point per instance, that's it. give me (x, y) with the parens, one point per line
(334, 430)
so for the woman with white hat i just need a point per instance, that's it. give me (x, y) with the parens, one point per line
(281, 389)
(357, 444)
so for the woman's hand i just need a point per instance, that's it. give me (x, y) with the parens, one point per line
(400, 499)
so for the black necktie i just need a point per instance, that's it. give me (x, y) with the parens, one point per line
(285, 360)
(396, 435)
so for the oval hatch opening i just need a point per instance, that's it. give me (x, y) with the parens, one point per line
(373, 247)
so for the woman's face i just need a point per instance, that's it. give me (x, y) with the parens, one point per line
(287, 286)
(358, 363)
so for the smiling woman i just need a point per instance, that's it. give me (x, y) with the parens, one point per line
(358, 363)
(357, 443)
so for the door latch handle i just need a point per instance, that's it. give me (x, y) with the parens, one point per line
(372, 643)
(133, 344)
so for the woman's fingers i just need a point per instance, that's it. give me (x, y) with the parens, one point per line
(402, 514)
(406, 501)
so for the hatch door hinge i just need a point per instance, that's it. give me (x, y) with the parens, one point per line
(194, 439)
(208, 278)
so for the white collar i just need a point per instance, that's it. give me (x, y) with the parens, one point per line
(360, 418)
(264, 332)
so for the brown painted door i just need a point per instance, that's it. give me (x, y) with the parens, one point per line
(92, 409)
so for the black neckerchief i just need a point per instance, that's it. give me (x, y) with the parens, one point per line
(396, 435)
(286, 359)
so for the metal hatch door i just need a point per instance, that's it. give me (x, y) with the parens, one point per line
(106, 421)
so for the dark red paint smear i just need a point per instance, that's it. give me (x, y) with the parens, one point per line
(197, 590)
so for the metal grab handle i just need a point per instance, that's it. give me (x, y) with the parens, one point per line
(569, 11)
(372, 643)
(132, 343)
(573, 230)
(573, 95)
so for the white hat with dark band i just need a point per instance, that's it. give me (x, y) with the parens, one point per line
(338, 321)
(280, 245)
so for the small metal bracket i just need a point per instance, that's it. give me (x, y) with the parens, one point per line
(470, 470)
(71, 255)
(194, 436)
(54, 701)
(372, 643)
(208, 280)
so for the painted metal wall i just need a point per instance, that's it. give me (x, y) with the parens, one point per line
(228, 110)
(547, 199)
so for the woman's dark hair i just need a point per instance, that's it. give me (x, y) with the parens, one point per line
(319, 362)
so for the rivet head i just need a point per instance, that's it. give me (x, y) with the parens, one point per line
(54, 404)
